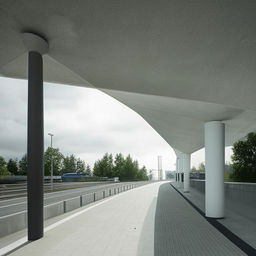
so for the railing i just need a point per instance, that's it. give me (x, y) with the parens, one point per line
(18, 221)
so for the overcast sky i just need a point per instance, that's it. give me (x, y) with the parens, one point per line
(85, 122)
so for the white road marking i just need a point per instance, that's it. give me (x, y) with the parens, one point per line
(23, 240)
(47, 197)
(5, 206)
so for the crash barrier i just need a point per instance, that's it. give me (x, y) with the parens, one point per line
(18, 221)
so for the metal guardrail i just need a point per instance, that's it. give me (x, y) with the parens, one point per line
(23, 178)
(15, 222)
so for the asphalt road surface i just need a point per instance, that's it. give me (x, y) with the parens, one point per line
(14, 205)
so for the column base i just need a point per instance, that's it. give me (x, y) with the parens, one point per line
(215, 218)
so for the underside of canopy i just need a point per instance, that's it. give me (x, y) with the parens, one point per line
(178, 63)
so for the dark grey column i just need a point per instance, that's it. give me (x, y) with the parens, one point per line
(35, 146)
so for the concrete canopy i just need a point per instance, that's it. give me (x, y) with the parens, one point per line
(178, 63)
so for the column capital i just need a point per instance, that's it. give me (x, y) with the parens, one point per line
(35, 43)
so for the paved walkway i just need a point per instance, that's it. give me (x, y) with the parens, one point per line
(150, 220)
(181, 230)
(243, 225)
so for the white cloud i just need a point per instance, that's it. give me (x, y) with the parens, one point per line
(85, 122)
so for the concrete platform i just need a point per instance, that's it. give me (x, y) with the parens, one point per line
(150, 220)
(242, 222)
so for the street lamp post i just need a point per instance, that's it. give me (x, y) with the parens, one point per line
(50, 134)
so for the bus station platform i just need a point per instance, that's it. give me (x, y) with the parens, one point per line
(149, 220)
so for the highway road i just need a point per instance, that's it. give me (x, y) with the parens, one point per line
(8, 191)
(14, 205)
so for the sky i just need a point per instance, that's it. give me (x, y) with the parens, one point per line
(85, 122)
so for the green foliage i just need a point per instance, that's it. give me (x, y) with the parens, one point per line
(118, 165)
(12, 166)
(193, 169)
(130, 169)
(201, 168)
(142, 174)
(244, 159)
(104, 167)
(3, 167)
(124, 168)
(61, 164)
(23, 165)
(88, 170)
(150, 176)
(53, 155)
(80, 166)
(227, 177)
(69, 164)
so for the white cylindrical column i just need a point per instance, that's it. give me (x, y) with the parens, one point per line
(177, 169)
(176, 174)
(186, 165)
(160, 171)
(179, 165)
(214, 169)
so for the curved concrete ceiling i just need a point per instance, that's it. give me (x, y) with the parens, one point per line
(178, 63)
(181, 122)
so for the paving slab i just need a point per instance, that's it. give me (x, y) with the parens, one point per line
(150, 220)
(181, 230)
(240, 224)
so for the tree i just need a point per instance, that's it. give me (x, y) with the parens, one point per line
(88, 170)
(142, 174)
(3, 167)
(12, 166)
(130, 168)
(150, 176)
(53, 155)
(110, 165)
(201, 167)
(118, 165)
(193, 169)
(23, 165)
(80, 166)
(244, 159)
(104, 167)
(98, 168)
(124, 168)
(69, 164)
